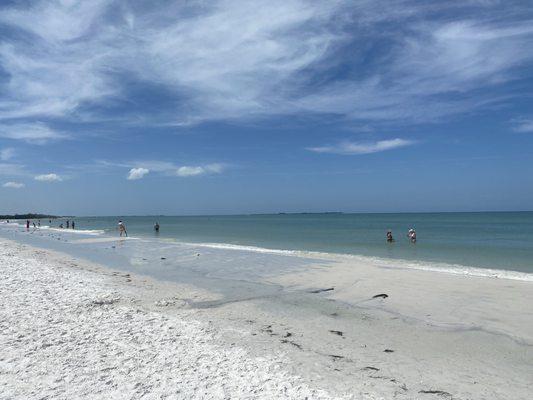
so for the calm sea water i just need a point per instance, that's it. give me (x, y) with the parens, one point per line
(486, 240)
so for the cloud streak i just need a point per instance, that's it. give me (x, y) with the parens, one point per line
(229, 59)
(188, 171)
(48, 178)
(523, 125)
(7, 154)
(353, 148)
(33, 133)
(13, 185)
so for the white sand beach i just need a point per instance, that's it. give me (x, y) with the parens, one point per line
(72, 329)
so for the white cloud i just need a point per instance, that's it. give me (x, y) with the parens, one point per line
(187, 171)
(7, 154)
(48, 178)
(13, 185)
(363, 147)
(36, 133)
(523, 125)
(228, 59)
(137, 173)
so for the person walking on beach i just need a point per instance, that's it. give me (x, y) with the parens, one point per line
(68, 224)
(73, 224)
(27, 224)
(39, 223)
(122, 228)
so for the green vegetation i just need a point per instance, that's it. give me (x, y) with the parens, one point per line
(28, 216)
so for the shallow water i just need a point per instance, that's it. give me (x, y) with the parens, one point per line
(482, 240)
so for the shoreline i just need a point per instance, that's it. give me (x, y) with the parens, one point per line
(337, 341)
(98, 235)
(113, 334)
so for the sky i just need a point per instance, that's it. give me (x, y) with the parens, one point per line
(116, 107)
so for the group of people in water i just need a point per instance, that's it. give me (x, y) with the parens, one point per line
(123, 232)
(411, 234)
(70, 224)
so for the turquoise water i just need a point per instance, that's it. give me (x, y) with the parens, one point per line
(484, 240)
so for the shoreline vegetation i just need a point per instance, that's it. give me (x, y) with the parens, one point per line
(29, 216)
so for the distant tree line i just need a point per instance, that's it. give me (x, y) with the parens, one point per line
(28, 216)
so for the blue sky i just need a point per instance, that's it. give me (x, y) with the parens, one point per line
(192, 107)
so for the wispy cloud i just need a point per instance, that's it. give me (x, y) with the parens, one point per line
(48, 178)
(363, 147)
(230, 59)
(7, 154)
(137, 173)
(12, 169)
(139, 169)
(35, 133)
(187, 171)
(13, 185)
(523, 125)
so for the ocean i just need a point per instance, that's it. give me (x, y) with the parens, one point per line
(492, 240)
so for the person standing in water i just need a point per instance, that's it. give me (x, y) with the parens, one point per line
(156, 227)
(68, 224)
(122, 228)
(73, 224)
(412, 235)
(390, 239)
(27, 224)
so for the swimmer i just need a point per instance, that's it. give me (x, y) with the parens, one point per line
(412, 235)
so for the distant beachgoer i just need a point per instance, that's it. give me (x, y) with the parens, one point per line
(27, 224)
(122, 228)
(412, 235)
(61, 226)
(39, 223)
(35, 226)
(156, 227)
(390, 239)
(68, 224)
(73, 224)
(49, 221)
